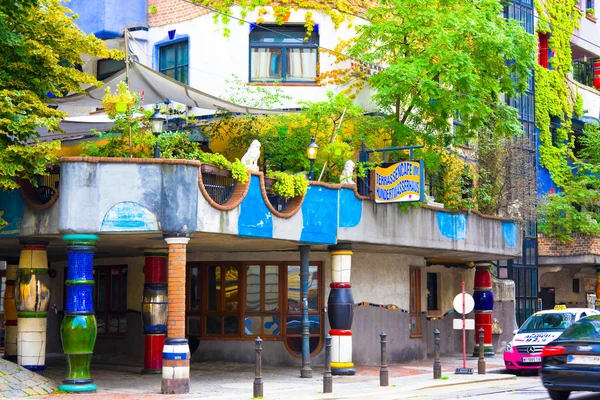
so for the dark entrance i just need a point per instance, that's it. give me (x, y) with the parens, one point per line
(548, 300)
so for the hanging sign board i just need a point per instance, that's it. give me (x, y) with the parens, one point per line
(401, 182)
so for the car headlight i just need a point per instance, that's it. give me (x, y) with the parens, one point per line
(509, 348)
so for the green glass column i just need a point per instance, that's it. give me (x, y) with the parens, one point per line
(78, 329)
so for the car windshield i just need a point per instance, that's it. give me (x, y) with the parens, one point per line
(547, 322)
(584, 329)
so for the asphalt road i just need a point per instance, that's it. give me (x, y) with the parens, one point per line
(522, 388)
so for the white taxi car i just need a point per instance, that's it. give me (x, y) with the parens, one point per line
(524, 352)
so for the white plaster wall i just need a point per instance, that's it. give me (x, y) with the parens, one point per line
(214, 58)
(591, 99)
(384, 278)
(562, 282)
(588, 34)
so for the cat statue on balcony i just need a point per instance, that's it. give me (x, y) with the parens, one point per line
(347, 172)
(250, 159)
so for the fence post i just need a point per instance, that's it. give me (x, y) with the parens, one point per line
(258, 383)
(481, 362)
(437, 366)
(384, 379)
(327, 378)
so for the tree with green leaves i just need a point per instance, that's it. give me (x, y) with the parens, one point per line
(41, 48)
(431, 61)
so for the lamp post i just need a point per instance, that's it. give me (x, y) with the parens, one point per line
(156, 123)
(311, 150)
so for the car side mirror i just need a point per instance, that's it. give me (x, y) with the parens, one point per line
(515, 331)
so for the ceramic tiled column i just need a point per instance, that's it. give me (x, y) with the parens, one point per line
(10, 314)
(154, 310)
(340, 307)
(484, 305)
(32, 297)
(176, 352)
(78, 329)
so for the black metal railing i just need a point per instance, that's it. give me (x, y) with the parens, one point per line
(279, 203)
(218, 184)
(583, 72)
(47, 186)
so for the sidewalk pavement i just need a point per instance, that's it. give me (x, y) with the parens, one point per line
(227, 380)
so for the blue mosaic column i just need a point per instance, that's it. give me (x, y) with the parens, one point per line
(78, 329)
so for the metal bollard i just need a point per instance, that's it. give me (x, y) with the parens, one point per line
(384, 379)
(437, 365)
(481, 362)
(258, 383)
(327, 378)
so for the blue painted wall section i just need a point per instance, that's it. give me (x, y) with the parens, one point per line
(108, 18)
(451, 225)
(320, 215)
(350, 209)
(12, 204)
(509, 233)
(255, 218)
(129, 216)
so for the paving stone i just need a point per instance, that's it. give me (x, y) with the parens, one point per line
(18, 385)
(18, 393)
(30, 391)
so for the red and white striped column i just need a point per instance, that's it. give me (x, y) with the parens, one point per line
(340, 310)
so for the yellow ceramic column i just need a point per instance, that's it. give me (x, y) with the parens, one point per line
(10, 314)
(32, 297)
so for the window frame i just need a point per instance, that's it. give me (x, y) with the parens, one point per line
(175, 42)
(107, 299)
(283, 313)
(415, 303)
(284, 47)
(437, 310)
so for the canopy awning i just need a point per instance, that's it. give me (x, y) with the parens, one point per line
(157, 88)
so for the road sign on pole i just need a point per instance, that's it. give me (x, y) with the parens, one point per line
(464, 304)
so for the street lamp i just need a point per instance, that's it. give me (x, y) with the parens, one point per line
(156, 123)
(311, 150)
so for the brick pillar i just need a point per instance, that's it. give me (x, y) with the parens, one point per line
(484, 305)
(32, 298)
(10, 314)
(340, 306)
(176, 352)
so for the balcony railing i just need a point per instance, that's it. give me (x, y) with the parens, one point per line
(279, 203)
(583, 72)
(218, 183)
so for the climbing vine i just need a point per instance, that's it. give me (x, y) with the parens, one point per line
(555, 102)
(338, 10)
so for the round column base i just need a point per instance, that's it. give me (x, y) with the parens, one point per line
(342, 368)
(488, 351)
(74, 388)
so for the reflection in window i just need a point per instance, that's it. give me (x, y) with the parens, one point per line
(173, 61)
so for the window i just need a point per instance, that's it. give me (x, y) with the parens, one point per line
(432, 292)
(282, 54)
(108, 67)
(415, 302)
(589, 4)
(245, 300)
(575, 285)
(173, 60)
(111, 299)
(543, 50)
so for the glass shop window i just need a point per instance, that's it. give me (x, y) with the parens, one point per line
(252, 299)
(111, 299)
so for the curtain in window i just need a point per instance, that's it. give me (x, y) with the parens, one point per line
(266, 64)
(302, 64)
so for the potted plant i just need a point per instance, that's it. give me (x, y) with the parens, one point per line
(591, 13)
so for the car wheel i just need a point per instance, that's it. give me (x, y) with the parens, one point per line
(559, 394)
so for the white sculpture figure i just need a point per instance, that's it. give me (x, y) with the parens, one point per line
(250, 159)
(346, 176)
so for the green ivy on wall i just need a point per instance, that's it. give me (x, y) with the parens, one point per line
(554, 99)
